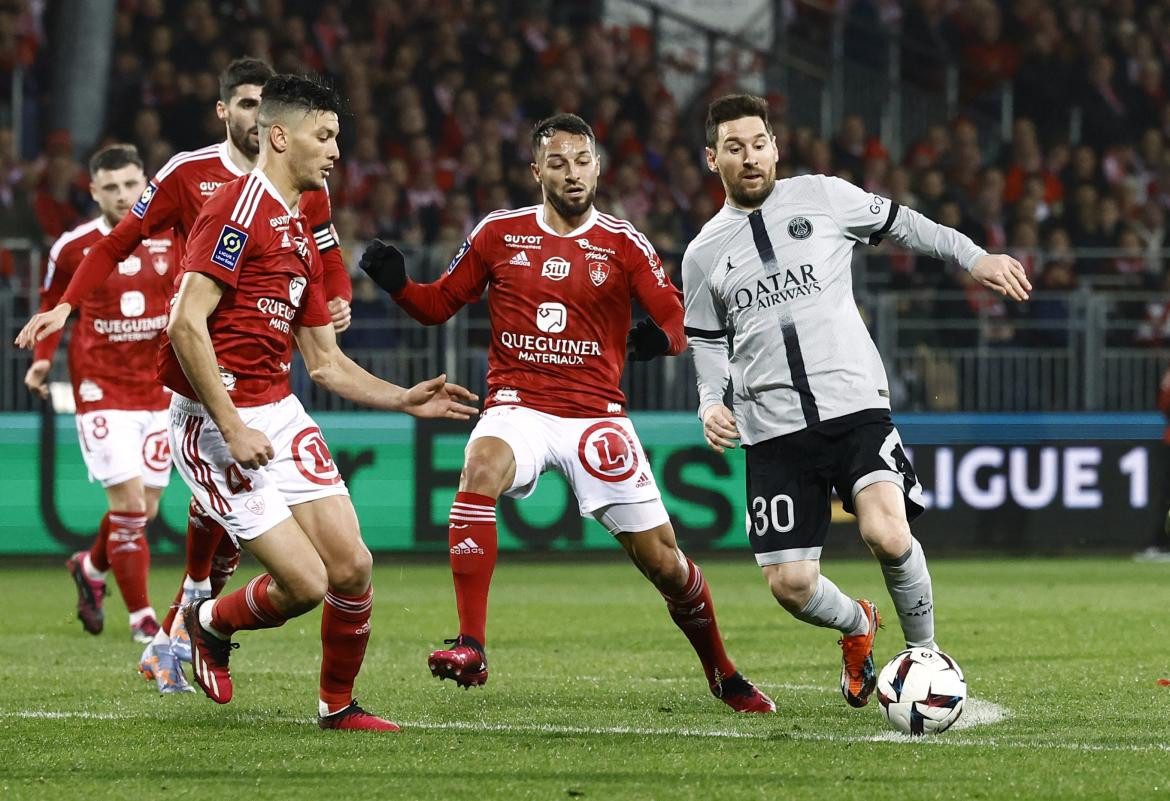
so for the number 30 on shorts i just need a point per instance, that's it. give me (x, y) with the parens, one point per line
(776, 513)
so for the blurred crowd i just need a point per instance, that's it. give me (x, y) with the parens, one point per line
(442, 94)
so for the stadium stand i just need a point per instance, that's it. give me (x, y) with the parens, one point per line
(441, 95)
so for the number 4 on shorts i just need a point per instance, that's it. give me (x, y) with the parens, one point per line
(236, 480)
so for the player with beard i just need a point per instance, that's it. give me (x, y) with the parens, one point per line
(252, 456)
(561, 278)
(169, 206)
(812, 404)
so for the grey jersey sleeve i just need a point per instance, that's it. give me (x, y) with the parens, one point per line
(923, 235)
(705, 324)
(862, 216)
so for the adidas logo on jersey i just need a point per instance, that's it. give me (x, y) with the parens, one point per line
(520, 260)
(642, 481)
(468, 546)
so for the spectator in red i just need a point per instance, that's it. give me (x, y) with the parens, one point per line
(989, 60)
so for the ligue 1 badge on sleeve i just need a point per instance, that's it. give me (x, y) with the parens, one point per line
(229, 247)
(466, 246)
(143, 203)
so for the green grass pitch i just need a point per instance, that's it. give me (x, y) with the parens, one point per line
(595, 695)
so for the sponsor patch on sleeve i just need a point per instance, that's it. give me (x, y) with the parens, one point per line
(459, 254)
(229, 247)
(139, 208)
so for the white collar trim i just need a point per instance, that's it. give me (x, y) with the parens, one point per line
(226, 158)
(585, 226)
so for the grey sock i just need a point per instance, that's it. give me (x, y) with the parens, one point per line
(908, 581)
(833, 609)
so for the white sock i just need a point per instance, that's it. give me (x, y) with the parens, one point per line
(139, 615)
(191, 587)
(161, 638)
(833, 609)
(323, 709)
(205, 620)
(909, 585)
(91, 572)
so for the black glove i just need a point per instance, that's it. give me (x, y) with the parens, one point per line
(646, 341)
(385, 264)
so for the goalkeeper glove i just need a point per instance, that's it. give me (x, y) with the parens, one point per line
(385, 264)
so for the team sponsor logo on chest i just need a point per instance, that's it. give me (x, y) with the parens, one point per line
(131, 266)
(523, 241)
(281, 313)
(551, 318)
(132, 327)
(207, 187)
(555, 268)
(789, 284)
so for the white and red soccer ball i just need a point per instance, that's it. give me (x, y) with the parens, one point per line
(921, 691)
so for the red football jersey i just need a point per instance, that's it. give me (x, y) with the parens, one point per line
(112, 350)
(559, 307)
(247, 239)
(171, 202)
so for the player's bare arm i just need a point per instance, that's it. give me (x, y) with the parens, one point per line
(197, 298)
(331, 369)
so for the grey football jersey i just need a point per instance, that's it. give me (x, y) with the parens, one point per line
(779, 281)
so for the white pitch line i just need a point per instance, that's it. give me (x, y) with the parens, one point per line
(986, 712)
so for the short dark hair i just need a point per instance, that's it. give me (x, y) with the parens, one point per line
(114, 157)
(243, 72)
(569, 123)
(735, 107)
(284, 93)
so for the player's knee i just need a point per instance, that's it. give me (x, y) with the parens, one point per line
(351, 576)
(792, 588)
(306, 589)
(665, 567)
(886, 532)
(481, 477)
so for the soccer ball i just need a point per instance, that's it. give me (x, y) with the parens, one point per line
(921, 691)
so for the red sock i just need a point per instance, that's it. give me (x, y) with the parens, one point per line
(694, 613)
(223, 564)
(203, 537)
(97, 551)
(345, 630)
(472, 537)
(129, 557)
(247, 609)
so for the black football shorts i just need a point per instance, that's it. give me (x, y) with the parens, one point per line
(790, 480)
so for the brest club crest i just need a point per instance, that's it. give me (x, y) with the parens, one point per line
(598, 272)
